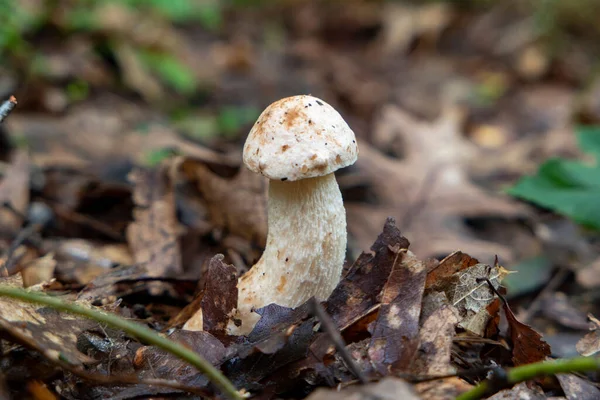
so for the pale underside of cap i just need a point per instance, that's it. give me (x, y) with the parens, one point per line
(299, 137)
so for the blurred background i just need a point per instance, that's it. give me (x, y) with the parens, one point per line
(477, 121)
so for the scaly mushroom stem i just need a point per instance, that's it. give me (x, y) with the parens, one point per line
(306, 247)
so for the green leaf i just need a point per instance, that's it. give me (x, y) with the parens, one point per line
(588, 138)
(582, 204)
(568, 187)
(170, 70)
(531, 274)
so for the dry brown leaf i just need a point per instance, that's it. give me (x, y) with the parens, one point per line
(212, 310)
(14, 190)
(453, 263)
(576, 388)
(436, 342)
(589, 276)
(443, 389)
(153, 235)
(359, 289)
(527, 345)
(52, 333)
(463, 282)
(39, 270)
(114, 127)
(237, 205)
(557, 307)
(519, 392)
(81, 260)
(590, 343)
(428, 190)
(389, 388)
(395, 333)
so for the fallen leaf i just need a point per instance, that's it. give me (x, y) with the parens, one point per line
(389, 388)
(42, 328)
(589, 276)
(527, 345)
(557, 307)
(218, 299)
(450, 265)
(590, 343)
(359, 289)
(153, 236)
(576, 388)
(39, 270)
(442, 389)
(151, 362)
(237, 205)
(428, 190)
(472, 295)
(395, 333)
(281, 337)
(518, 392)
(14, 191)
(435, 338)
(81, 260)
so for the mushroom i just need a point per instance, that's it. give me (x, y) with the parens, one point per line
(298, 143)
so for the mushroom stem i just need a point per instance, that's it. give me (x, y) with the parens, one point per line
(305, 251)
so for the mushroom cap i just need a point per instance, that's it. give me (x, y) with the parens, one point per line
(299, 137)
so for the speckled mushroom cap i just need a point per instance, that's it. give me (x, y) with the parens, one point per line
(299, 137)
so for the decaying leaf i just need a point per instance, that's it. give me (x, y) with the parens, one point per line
(237, 205)
(557, 307)
(217, 300)
(42, 328)
(386, 389)
(462, 279)
(527, 345)
(151, 362)
(443, 389)
(14, 191)
(472, 295)
(590, 343)
(451, 264)
(81, 260)
(428, 190)
(153, 235)
(395, 333)
(356, 293)
(576, 388)
(281, 337)
(39, 270)
(435, 339)
(520, 391)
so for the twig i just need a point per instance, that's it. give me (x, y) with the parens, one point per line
(7, 107)
(141, 332)
(329, 327)
(535, 370)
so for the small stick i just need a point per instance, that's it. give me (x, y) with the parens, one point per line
(7, 107)
(335, 336)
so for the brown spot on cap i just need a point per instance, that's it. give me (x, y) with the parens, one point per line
(338, 159)
(282, 283)
(284, 147)
(291, 117)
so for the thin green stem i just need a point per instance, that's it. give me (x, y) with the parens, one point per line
(530, 371)
(141, 332)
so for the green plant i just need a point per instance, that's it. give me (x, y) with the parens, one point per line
(568, 187)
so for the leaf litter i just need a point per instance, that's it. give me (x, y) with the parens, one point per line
(174, 238)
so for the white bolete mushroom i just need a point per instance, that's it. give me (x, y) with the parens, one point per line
(298, 143)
